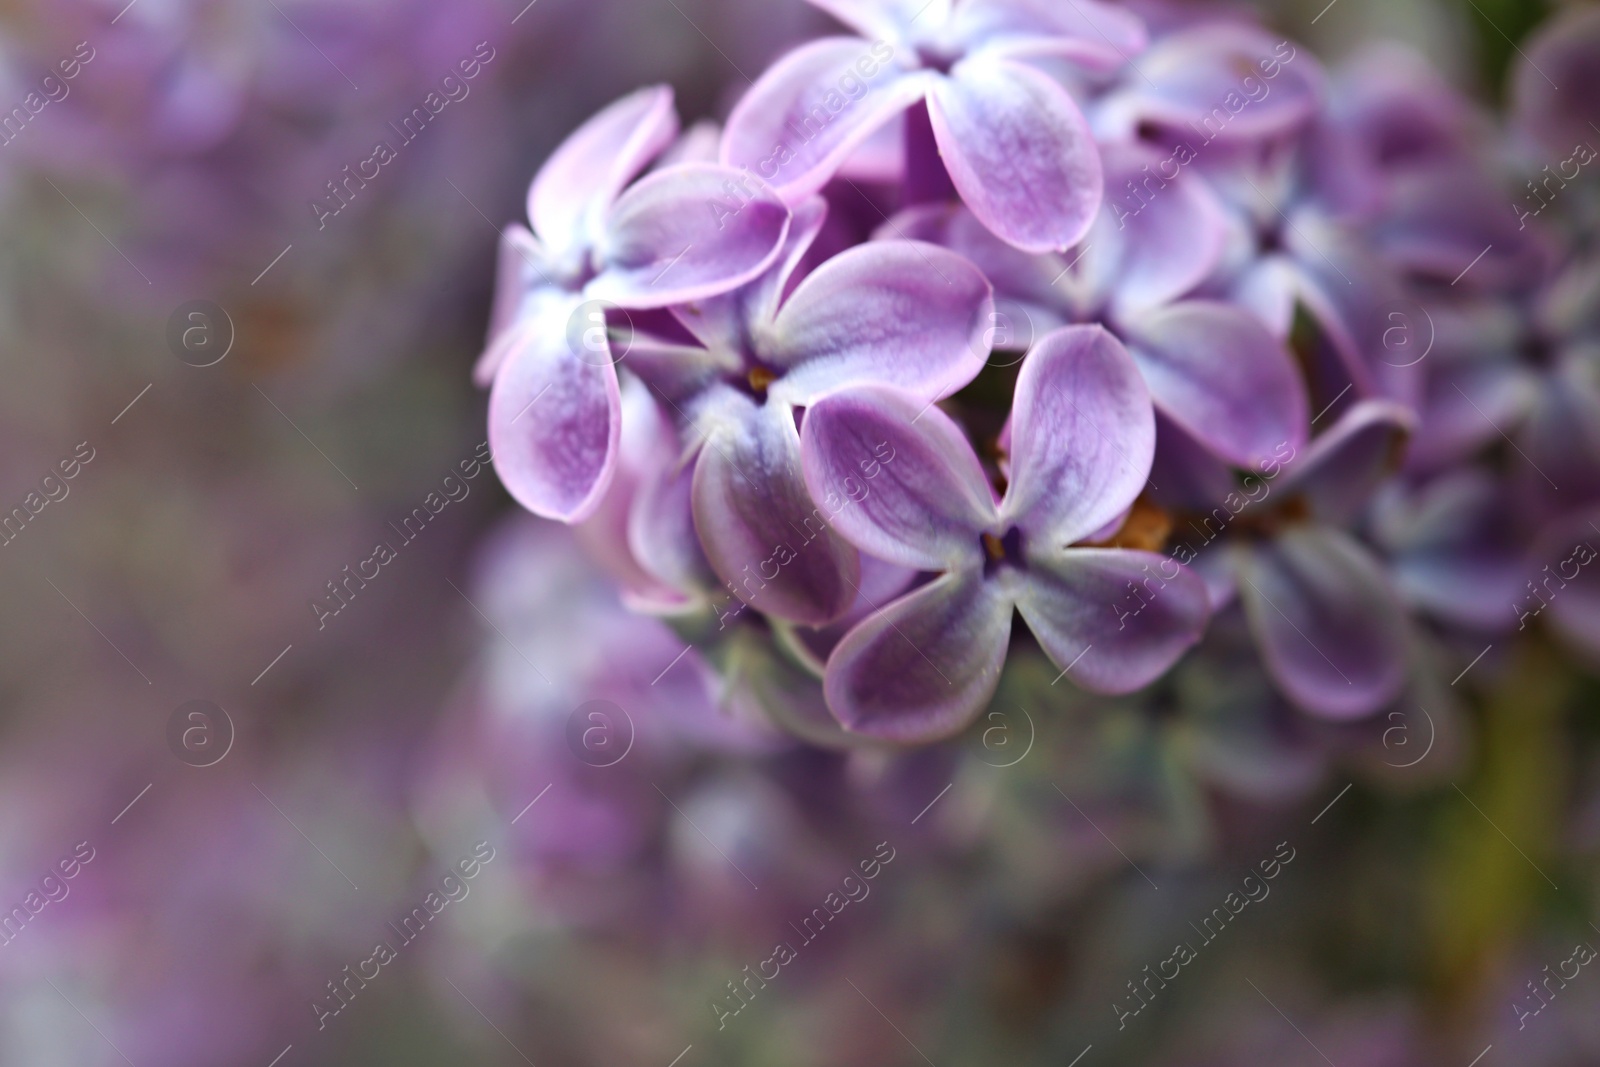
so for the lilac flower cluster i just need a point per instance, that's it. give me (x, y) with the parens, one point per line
(1126, 320)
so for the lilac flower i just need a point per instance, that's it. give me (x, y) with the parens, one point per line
(1210, 367)
(1082, 437)
(1326, 618)
(893, 312)
(1215, 80)
(1016, 146)
(1454, 547)
(680, 234)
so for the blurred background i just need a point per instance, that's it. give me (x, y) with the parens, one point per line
(246, 854)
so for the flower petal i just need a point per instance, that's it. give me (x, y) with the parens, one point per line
(1330, 628)
(1099, 35)
(1014, 273)
(900, 313)
(926, 665)
(804, 116)
(585, 174)
(897, 478)
(522, 289)
(687, 233)
(763, 535)
(1556, 86)
(1217, 372)
(1019, 152)
(1110, 618)
(1203, 75)
(1083, 436)
(555, 422)
(1156, 238)
(1339, 472)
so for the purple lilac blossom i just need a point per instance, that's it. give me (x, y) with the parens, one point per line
(706, 228)
(1082, 437)
(1015, 145)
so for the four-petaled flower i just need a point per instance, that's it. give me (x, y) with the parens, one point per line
(1016, 146)
(670, 238)
(1082, 439)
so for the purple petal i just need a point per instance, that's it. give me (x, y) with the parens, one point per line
(1330, 629)
(1094, 34)
(522, 290)
(1341, 469)
(585, 174)
(660, 525)
(1083, 436)
(1467, 404)
(762, 298)
(605, 534)
(687, 233)
(1156, 237)
(763, 535)
(811, 109)
(897, 478)
(1268, 289)
(1453, 549)
(900, 313)
(1556, 85)
(926, 665)
(1217, 372)
(1215, 77)
(1113, 620)
(1013, 272)
(1019, 152)
(555, 422)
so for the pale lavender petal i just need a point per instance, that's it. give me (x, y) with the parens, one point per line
(554, 424)
(897, 478)
(660, 525)
(584, 175)
(899, 313)
(605, 535)
(522, 293)
(1216, 76)
(762, 298)
(1013, 272)
(1216, 371)
(1340, 470)
(762, 534)
(800, 121)
(1088, 32)
(685, 234)
(1268, 289)
(1330, 628)
(1019, 152)
(926, 665)
(1113, 620)
(1159, 234)
(1083, 436)
(700, 143)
